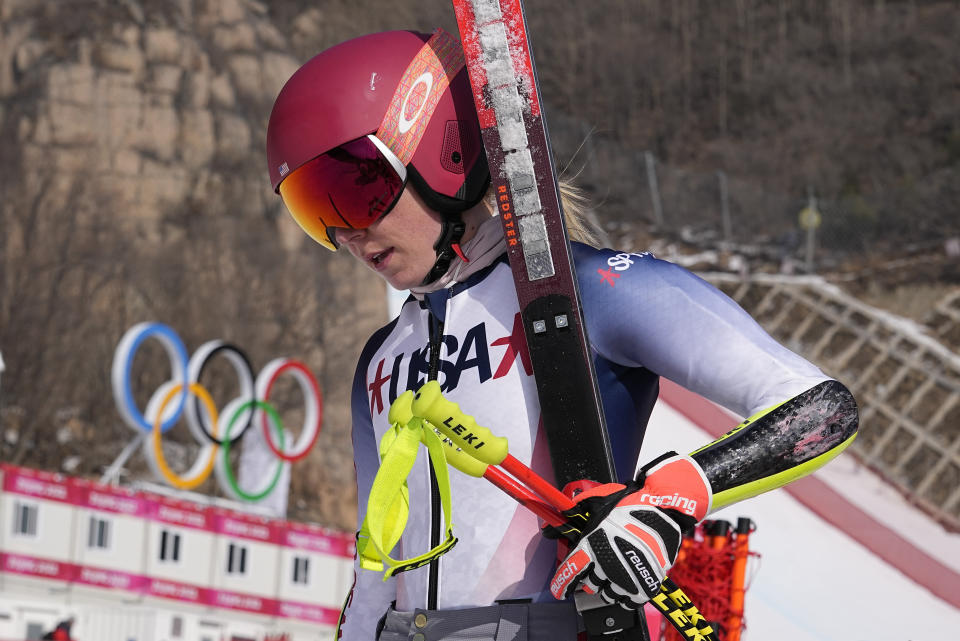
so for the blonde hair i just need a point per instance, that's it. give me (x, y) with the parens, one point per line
(582, 224)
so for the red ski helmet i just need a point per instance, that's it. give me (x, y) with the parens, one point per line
(343, 95)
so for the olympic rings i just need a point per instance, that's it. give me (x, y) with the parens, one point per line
(203, 419)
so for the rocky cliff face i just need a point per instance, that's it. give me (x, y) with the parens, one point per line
(133, 183)
(154, 105)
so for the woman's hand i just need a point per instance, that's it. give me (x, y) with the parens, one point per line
(631, 533)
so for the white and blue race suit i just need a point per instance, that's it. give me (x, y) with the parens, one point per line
(645, 318)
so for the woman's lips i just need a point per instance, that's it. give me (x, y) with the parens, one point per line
(380, 260)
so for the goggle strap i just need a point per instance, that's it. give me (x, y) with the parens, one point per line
(416, 97)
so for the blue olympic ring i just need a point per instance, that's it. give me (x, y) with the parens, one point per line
(177, 353)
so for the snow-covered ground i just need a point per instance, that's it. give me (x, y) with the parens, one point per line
(815, 582)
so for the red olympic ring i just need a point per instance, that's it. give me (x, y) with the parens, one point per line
(308, 384)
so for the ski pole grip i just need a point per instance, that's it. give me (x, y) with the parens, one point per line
(460, 459)
(462, 429)
(401, 411)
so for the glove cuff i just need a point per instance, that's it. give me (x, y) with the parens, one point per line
(675, 482)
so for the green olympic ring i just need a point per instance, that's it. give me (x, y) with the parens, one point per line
(225, 447)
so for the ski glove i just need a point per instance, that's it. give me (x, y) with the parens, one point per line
(631, 533)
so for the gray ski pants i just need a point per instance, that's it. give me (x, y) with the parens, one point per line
(500, 622)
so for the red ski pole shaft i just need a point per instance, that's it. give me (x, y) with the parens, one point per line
(537, 483)
(525, 497)
(462, 461)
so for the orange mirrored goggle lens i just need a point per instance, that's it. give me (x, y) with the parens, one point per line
(350, 187)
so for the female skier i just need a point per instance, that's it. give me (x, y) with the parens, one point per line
(374, 146)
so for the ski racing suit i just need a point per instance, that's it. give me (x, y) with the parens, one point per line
(645, 318)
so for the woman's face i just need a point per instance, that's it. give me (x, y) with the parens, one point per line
(398, 247)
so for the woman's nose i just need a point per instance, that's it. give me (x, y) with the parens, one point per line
(344, 235)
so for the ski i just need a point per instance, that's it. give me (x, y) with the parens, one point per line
(524, 177)
(515, 137)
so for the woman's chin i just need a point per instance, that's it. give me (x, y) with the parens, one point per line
(399, 282)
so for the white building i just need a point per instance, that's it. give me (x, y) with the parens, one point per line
(136, 566)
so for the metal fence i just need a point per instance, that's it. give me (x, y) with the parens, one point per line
(906, 382)
(943, 321)
(714, 205)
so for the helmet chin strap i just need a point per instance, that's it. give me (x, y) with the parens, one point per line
(447, 247)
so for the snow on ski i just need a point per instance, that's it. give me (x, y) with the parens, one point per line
(504, 82)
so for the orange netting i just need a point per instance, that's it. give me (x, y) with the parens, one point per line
(711, 570)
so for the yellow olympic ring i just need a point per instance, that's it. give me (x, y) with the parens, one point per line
(172, 477)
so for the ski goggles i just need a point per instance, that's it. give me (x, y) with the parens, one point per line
(350, 187)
